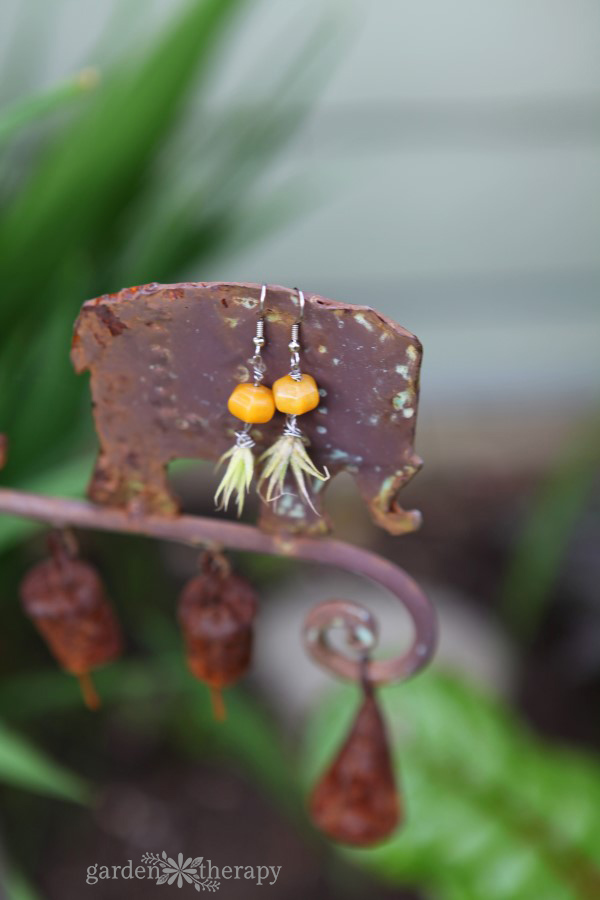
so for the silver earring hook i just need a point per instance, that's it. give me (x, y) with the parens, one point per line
(294, 343)
(256, 361)
(301, 301)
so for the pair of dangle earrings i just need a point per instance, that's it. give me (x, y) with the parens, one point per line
(253, 403)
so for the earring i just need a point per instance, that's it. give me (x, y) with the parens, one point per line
(294, 395)
(253, 404)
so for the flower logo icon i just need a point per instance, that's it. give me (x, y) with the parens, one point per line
(180, 871)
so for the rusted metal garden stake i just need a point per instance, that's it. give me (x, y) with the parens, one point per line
(163, 360)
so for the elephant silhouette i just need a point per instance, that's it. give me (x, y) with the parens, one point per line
(163, 360)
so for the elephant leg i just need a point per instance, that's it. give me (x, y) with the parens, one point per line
(379, 491)
(132, 481)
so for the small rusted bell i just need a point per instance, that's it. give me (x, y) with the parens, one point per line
(65, 599)
(216, 613)
(356, 801)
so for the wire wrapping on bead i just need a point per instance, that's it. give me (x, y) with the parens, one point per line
(291, 427)
(243, 438)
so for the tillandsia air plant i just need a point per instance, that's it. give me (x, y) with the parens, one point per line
(238, 475)
(288, 453)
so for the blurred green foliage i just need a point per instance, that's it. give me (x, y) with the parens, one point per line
(158, 687)
(152, 691)
(491, 812)
(544, 538)
(23, 765)
(17, 887)
(33, 109)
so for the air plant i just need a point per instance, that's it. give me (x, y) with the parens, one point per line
(288, 452)
(238, 475)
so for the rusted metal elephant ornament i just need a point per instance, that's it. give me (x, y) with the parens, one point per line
(164, 358)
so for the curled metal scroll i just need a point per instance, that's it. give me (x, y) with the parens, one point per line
(360, 630)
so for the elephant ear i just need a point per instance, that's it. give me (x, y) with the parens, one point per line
(163, 361)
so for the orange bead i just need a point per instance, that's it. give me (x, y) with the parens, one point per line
(252, 403)
(296, 397)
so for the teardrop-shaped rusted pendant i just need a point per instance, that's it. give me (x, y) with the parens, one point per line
(65, 599)
(216, 612)
(356, 801)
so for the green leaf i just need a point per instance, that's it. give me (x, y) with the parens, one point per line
(101, 162)
(16, 886)
(491, 812)
(248, 735)
(544, 538)
(24, 766)
(31, 109)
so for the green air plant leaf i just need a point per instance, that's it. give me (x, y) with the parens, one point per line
(237, 478)
(23, 765)
(288, 453)
(490, 812)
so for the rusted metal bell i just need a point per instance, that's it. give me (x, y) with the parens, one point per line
(356, 801)
(65, 599)
(216, 612)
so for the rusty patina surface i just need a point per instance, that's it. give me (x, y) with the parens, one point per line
(163, 360)
(356, 801)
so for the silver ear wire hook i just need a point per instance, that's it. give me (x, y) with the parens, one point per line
(259, 340)
(294, 343)
(301, 300)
